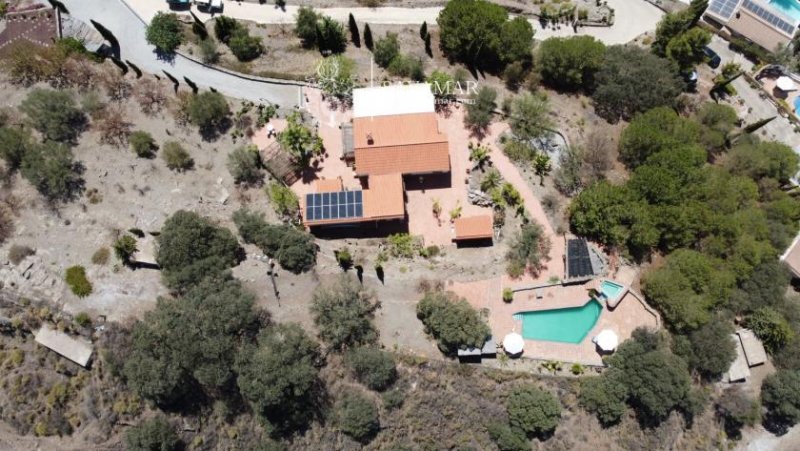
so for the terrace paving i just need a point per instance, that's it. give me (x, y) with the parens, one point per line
(486, 294)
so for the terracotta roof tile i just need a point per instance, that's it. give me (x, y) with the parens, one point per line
(406, 144)
(474, 227)
(384, 199)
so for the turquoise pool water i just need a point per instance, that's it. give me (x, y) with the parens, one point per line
(788, 7)
(797, 104)
(610, 289)
(566, 325)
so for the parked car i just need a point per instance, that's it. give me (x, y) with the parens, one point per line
(712, 58)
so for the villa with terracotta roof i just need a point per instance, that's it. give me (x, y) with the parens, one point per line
(394, 133)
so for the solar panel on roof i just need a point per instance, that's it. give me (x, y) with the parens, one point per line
(337, 205)
(723, 8)
(772, 17)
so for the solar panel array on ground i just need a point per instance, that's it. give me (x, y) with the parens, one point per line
(579, 264)
(334, 206)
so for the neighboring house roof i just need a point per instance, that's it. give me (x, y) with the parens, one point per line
(77, 350)
(384, 198)
(792, 256)
(393, 99)
(753, 348)
(405, 144)
(474, 227)
(756, 29)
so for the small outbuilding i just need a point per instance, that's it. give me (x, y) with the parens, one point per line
(75, 349)
(739, 371)
(754, 350)
(474, 228)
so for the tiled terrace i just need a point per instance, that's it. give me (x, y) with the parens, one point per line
(487, 294)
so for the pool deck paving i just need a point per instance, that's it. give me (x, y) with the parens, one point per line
(486, 294)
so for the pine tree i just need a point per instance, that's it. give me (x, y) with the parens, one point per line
(428, 49)
(696, 10)
(368, 37)
(423, 31)
(355, 35)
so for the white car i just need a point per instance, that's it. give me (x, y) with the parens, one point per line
(210, 5)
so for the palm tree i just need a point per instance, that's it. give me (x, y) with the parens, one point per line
(491, 180)
(479, 154)
(542, 167)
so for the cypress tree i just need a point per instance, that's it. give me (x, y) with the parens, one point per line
(355, 35)
(423, 30)
(428, 49)
(368, 37)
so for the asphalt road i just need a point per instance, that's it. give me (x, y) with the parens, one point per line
(130, 32)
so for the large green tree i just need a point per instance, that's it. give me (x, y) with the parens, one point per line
(189, 343)
(54, 114)
(533, 410)
(51, 169)
(164, 32)
(632, 80)
(299, 140)
(479, 33)
(208, 111)
(530, 116)
(295, 250)
(191, 247)
(570, 63)
(154, 434)
(780, 394)
(654, 131)
(343, 313)
(452, 321)
(279, 376)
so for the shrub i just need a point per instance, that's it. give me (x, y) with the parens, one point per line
(124, 248)
(209, 53)
(100, 256)
(357, 416)
(283, 200)
(407, 66)
(393, 399)
(164, 32)
(533, 410)
(780, 394)
(771, 327)
(225, 27)
(77, 281)
(481, 110)
(54, 113)
(83, 319)
(244, 164)
(142, 144)
(386, 50)
(514, 74)
(14, 144)
(344, 258)
(508, 294)
(605, 397)
(506, 438)
(372, 367)
(736, 409)
(299, 140)
(331, 37)
(403, 245)
(245, 47)
(295, 250)
(17, 253)
(306, 26)
(208, 110)
(529, 249)
(570, 63)
(343, 312)
(155, 434)
(50, 168)
(452, 321)
(176, 157)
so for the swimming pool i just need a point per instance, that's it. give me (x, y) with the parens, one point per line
(797, 105)
(789, 7)
(566, 325)
(610, 289)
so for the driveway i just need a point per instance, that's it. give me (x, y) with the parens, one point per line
(633, 17)
(130, 32)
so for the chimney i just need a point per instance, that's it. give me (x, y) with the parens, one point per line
(370, 141)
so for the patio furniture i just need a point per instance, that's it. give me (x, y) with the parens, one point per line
(607, 340)
(513, 343)
(785, 84)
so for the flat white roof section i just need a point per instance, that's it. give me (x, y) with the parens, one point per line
(393, 100)
(79, 351)
(739, 370)
(753, 349)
